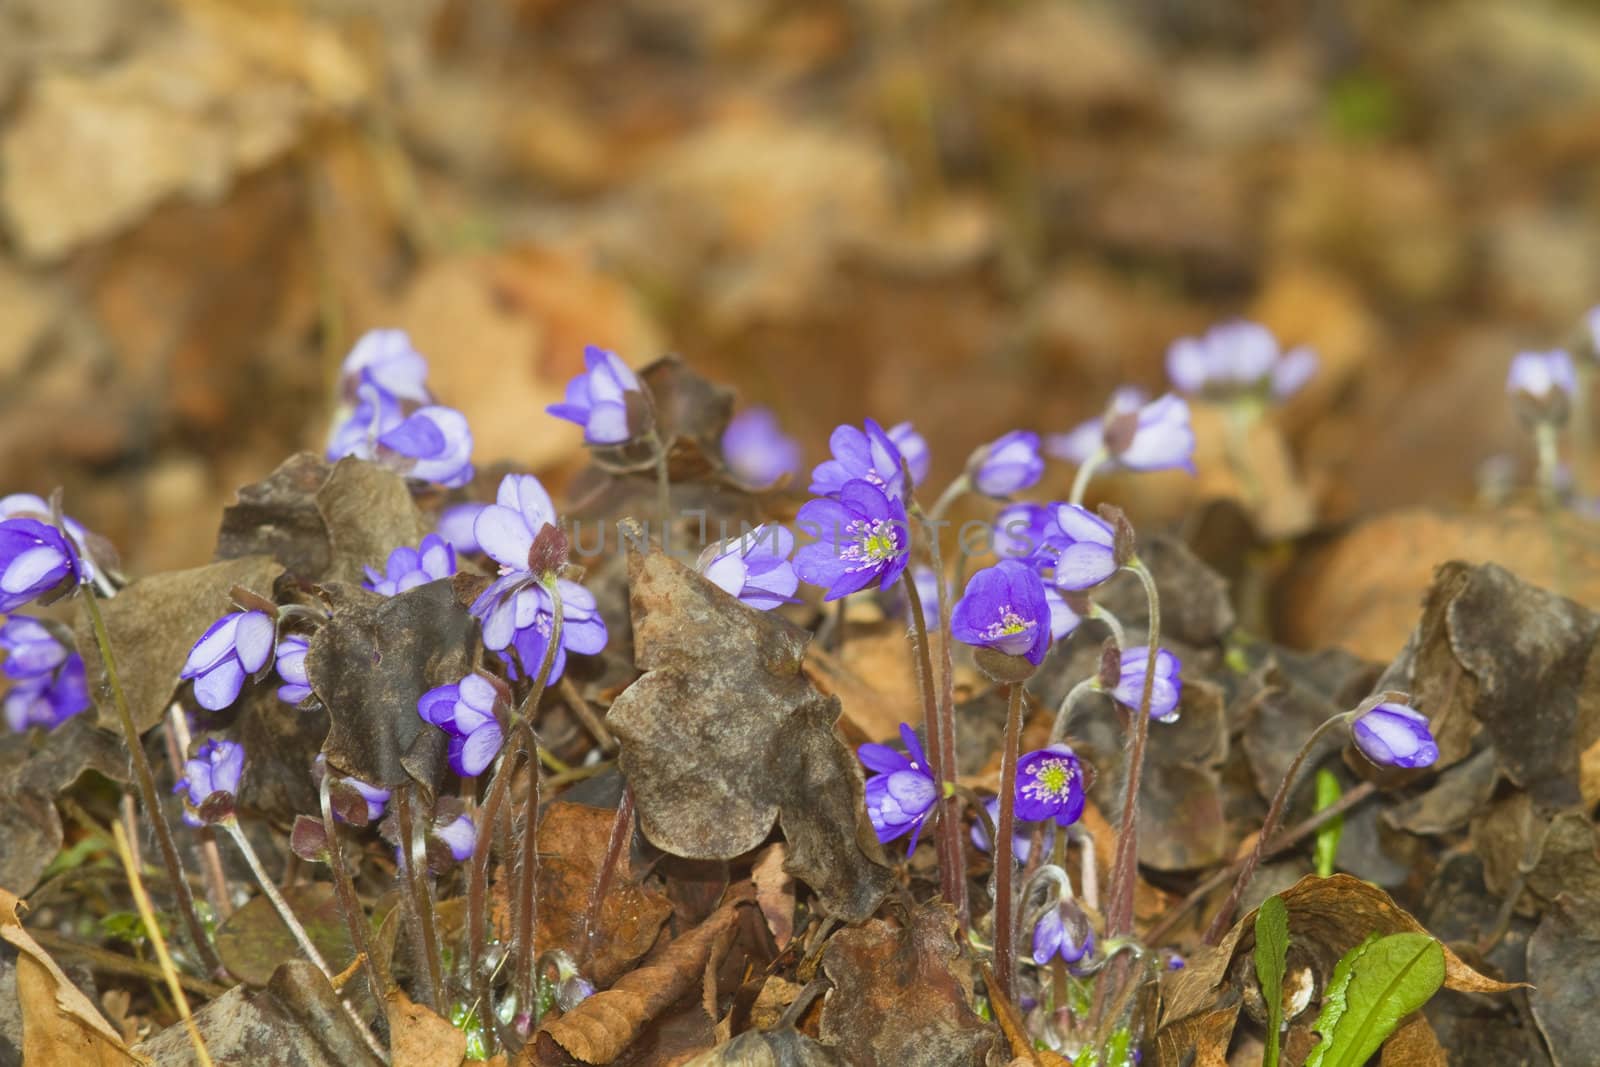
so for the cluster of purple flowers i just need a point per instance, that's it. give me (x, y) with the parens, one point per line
(394, 419)
(468, 711)
(48, 681)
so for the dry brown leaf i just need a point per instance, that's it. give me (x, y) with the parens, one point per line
(902, 997)
(722, 736)
(59, 1023)
(602, 1027)
(1327, 918)
(775, 892)
(1207, 1034)
(1414, 1045)
(418, 1037)
(873, 679)
(572, 843)
(1361, 591)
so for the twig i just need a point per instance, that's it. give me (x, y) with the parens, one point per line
(147, 915)
(591, 722)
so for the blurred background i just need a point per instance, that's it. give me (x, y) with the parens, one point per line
(977, 216)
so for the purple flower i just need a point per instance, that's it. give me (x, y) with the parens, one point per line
(597, 399)
(1004, 609)
(236, 645)
(456, 526)
(459, 835)
(1024, 531)
(1164, 693)
(506, 529)
(756, 450)
(1394, 735)
(1021, 833)
(466, 711)
(755, 568)
(866, 455)
(1238, 359)
(292, 669)
(32, 651)
(1085, 547)
(34, 560)
(374, 798)
(29, 506)
(863, 538)
(215, 768)
(1538, 374)
(1062, 931)
(901, 793)
(1087, 438)
(1063, 620)
(431, 443)
(1007, 465)
(583, 629)
(1050, 786)
(913, 449)
(410, 567)
(47, 699)
(386, 359)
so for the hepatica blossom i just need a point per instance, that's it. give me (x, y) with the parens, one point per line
(466, 711)
(350, 792)
(455, 526)
(235, 646)
(901, 792)
(34, 560)
(863, 537)
(1394, 735)
(216, 768)
(1542, 384)
(1062, 931)
(1050, 786)
(292, 669)
(756, 450)
(1165, 692)
(1238, 361)
(1021, 834)
(408, 568)
(913, 449)
(1007, 465)
(48, 681)
(867, 454)
(394, 421)
(1132, 435)
(1024, 532)
(1085, 547)
(516, 610)
(1004, 609)
(754, 567)
(600, 397)
(29, 506)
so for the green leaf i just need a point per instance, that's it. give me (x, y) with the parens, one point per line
(1272, 954)
(1378, 983)
(1328, 794)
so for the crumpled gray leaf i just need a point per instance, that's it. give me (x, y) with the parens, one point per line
(154, 623)
(723, 735)
(370, 662)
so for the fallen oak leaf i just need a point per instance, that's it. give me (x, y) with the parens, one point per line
(723, 735)
(602, 1027)
(418, 1037)
(59, 1023)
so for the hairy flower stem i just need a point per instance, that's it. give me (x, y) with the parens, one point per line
(1241, 418)
(527, 866)
(947, 726)
(414, 871)
(619, 840)
(951, 493)
(1582, 431)
(478, 888)
(1125, 869)
(1224, 916)
(1546, 438)
(1058, 731)
(944, 832)
(1005, 934)
(1080, 484)
(355, 917)
(150, 798)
